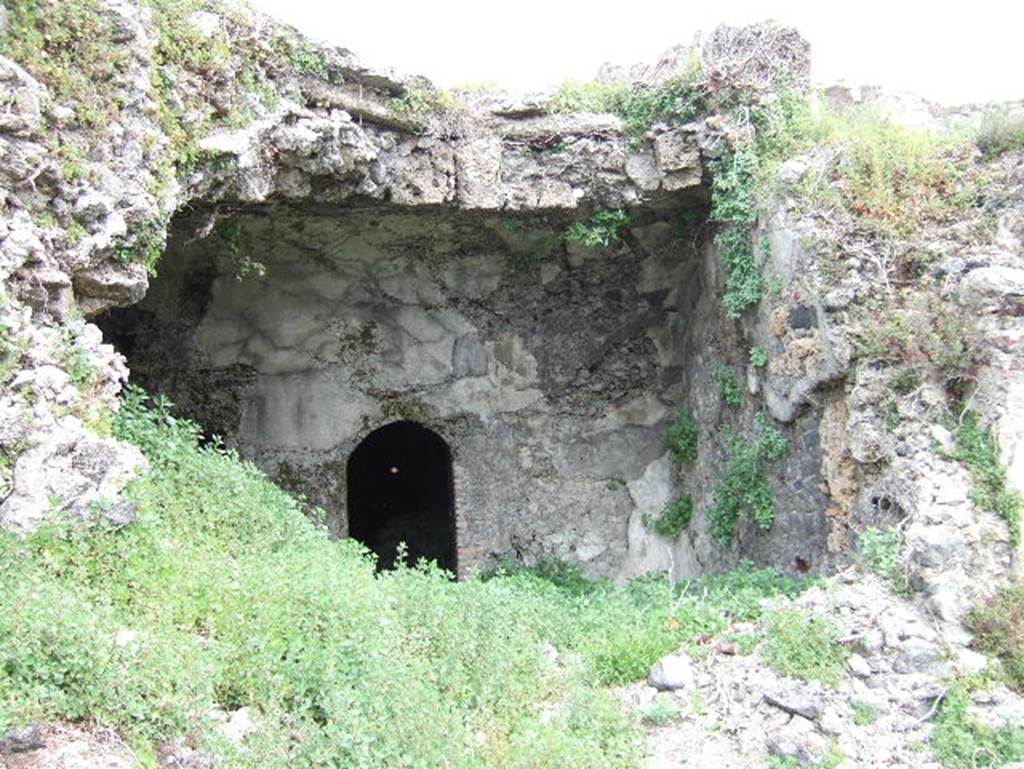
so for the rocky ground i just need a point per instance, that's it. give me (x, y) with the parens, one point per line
(728, 709)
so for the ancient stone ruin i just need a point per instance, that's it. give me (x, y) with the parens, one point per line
(382, 309)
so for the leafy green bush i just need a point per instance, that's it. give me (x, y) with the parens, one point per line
(882, 553)
(961, 743)
(999, 627)
(605, 228)
(728, 388)
(977, 448)
(803, 646)
(743, 491)
(758, 357)
(681, 438)
(674, 518)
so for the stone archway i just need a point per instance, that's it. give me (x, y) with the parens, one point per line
(400, 489)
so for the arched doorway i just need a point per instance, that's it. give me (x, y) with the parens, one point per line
(400, 490)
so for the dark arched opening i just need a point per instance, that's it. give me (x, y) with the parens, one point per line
(400, 489)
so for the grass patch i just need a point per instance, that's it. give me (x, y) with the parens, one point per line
(999, 626)
(961, 743)
(803, 646)
(224, 594)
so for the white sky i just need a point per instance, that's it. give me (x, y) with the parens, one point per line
(945, 50)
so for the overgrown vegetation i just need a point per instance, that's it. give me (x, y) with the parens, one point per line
(604, 229)
(682, 438)
(833, 759)
(863, 713)
(674, 519)
(960, 742)
(803, 646)
(999, 627)
(882, 553)
(919, 335)
(978, 450)
(743, 491)
(677, 101)
(421, 100)
(224, 594)
(728, 388)
(1001, 132)
(71, 47)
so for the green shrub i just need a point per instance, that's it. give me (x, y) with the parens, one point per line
(918, 331)
(758, 357)
(961, 743)
(833, 759)
(882, 553)
(70, 46)
(728, 388)
(681, 438)
(978, 450)
(743, 491)
(674, 518)
(803, 646)
(605, 229)
(999, 627)
(1000, 132)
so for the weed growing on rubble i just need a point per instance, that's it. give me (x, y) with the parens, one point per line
(998, 624)
(882, 553)
(803, 646)
(960, 742)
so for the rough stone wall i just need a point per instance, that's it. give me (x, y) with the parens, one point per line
(71, 237)
(545, 368)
